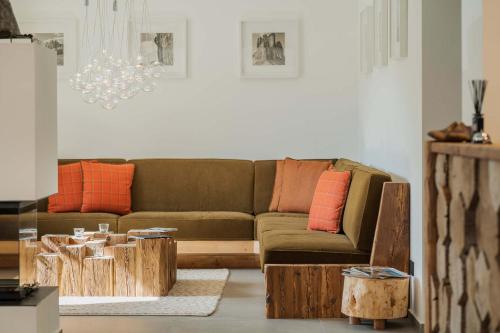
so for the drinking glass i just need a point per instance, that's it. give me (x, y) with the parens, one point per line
(103, 228)
(79, 232)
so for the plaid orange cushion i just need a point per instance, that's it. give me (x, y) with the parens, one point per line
(106, 187)
(70, 190)
(328, 201)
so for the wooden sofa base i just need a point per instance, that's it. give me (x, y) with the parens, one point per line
(218, 254)
(304, 291)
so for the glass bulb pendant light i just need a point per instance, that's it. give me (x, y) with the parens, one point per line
(109, 76)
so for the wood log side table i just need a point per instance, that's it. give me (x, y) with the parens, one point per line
(375, 299)
(141, 263)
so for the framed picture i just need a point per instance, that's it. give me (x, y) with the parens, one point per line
(381, 32)
(59, 35)
(165, 41)
(366, 40)
(269, 48)
(399, 29)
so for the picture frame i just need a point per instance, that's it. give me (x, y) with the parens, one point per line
(366, 40)
(171, 34)
(399, 29)
(269, 47)
(59, 34)
(381, 26)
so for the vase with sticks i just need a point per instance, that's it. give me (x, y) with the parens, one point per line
(478, 90)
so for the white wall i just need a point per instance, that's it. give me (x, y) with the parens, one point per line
(399, 103)
(390, 107)
(214, 113)
(472, 52)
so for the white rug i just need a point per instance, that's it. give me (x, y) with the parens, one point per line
(196, 293)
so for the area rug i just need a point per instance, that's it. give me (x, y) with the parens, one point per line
(196, 293)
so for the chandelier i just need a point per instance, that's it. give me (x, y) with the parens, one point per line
(114, 70)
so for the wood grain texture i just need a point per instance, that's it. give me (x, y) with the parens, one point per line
(98, 276)
(95, 247)
(220, 247)
(71, 277)
(79, 240)
(391, 245)
(431, 283)
(304, 291)
(27, 261)
(48, 269)
(52, 243)
(124, 273)
(465, 257)
(374, 298)
(114, 239)
(487, 152)
(152, 277)
(219, 260)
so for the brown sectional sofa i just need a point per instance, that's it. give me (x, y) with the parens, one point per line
(214, 199)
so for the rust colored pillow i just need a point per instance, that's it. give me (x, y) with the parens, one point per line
(278, 183)
(106, 187)
(329, 201)
(70, 189)
(299, 182)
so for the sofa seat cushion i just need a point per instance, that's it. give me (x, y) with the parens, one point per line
(308, 247)
(63, 223)
(194, 225)
(279, 221)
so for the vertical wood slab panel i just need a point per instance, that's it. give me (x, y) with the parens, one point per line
(464, 294)
(391, 245)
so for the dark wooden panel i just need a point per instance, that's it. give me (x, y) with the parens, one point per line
(304, 291)
(391, 246)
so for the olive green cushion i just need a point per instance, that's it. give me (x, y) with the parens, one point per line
(265, 172)
(362, 204)
(193, 225)
(279, 221)
(308, 247)
(63, 223)
(175, 185)
(42, 204)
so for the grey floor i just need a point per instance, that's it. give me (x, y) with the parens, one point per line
(240, 310)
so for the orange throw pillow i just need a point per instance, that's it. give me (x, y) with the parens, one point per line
(106, 187)
(70, 190)
(299, 182)
(329, 201)
(278, 183)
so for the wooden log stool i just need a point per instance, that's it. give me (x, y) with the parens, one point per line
(375, 299)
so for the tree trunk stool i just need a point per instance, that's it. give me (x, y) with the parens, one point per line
(375, 299)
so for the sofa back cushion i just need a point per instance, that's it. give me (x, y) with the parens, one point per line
(361, 208)
(175, 185)
(42, 204)
(265, 172)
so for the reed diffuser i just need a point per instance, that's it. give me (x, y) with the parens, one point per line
(478, 90)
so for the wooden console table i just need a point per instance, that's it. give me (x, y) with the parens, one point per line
(462, 232)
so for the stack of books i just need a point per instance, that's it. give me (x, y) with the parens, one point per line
(374, 272)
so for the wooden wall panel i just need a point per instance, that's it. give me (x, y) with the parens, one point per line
(463, 238)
